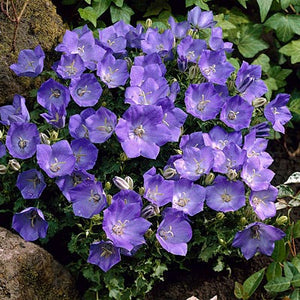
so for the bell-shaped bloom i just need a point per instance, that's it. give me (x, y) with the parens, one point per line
(56, 160)
(194, 139)
(30, 62)
(30, 223)
(174, 232)
(277, 112)
(124, 226)
(88, 199)
(236, 113)
(31, 184)
(202, 101)
(248, 82)
(195, 162)
(67, 182)
(157, 190)
(101, 125)
(77, 125)
(200, 19)
(52, 92)
(262, 202)
(153, 58)
(179, 29)
(169, 171)
(139, 74)
(56, 116)
(225, 195)
(191, 49)
(262, 130)
(255, 175)
(141, 132)
(128, 197)
(104, 254)
(257, 237)
(69, 66)
(17, 112)
(215, 67)
(22, 140)
(216, 40)
(113, 72)
(188, 197)
(85, 90)
(85, 153)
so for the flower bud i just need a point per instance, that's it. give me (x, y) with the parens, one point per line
(243, 221)
(53, 136)
(193, 71)
(222, 242)
(3, 169)
(148, 23)
(14, 164)
(44, 138)
(169, 173)
(190, 32)
(232, 174)
(220, 216)
(107, 186)
(148, 233)
(149, 211)
(257, 102)
(108, 199)
(209, 179)
(96, 218)
(129, 181)
(123, 156)
(281, 220)
(142, 191)
(1, 134)
(121, 183)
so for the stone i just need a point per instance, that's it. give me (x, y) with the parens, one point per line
(39, 24)
(29, 272)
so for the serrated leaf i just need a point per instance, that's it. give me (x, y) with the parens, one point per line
(264, 7)
(264, 61)
(119, 3)
(295, 295)
(279, 75)
(238, 290)
(124, 13)
(279, 252)
(250, 42)
(294, 178)
(273, 271)
(89, 14)
(284, 191)
(284, 25)
(252, 283)
(292, 50)
(225, 24)
(278, 284)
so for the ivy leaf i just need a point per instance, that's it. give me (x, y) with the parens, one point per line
(264, 7)
(201, 3)
(264, 61)
(121, 13)
(294, 107)
(292, 50)
(284, 25)
(119, 3)
(156, 7)
(250, 42)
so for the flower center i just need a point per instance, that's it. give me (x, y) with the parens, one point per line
(182, 201)
(190, 55)
(22, 143)
(54, 167)
(55, 93)
(81, 91)
(255, 232)
(32, 218)
(35, 181)
(106, 127)
(202, 104)
(107, 251)
(118, 228)
(232, 115)
(71, 70)
(95, 197)
(209, 70)
(165, 234)
(256, 201)
(226, 197)
(139, 131)
(153, 194)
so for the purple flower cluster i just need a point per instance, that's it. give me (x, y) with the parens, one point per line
(234, 149)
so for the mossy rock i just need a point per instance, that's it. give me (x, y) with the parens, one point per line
(40, 24)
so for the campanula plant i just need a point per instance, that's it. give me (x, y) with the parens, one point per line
(153, 147)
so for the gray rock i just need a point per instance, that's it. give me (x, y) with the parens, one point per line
(29, 272)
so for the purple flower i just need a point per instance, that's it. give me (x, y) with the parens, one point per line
(88, 199)
(179, 29)
(56, 116)
(188, 197)
(236, 113)
(52, 92)
(153, 58)
(30, 62)
(124, 226)
(262, 202)
(113, 72)
(22, 140)
(141, 131)
(85, 90)
(70, 66)
(191, 49)
(128, 197)
(17, 112)
(31, 184)
(174, 232)
(101, 125)
(215, 67)
(2, 150)
(200, 19)
(225, 195)
(77, 125)
(277, 112)
(30, 224)
(248, 82)
(157, 190)
(194, 139)
(202, 101)
(139, 74)
(85, 153)
(194, 163)
(104, 254)
(56, 160)
(257, 237)
(216, 40)
(170, 171)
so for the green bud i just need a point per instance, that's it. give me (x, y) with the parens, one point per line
(220, 216)
(123, 156)
(243, 221)
(148, 23)
(142, 191)
(107, 185)
(149, 233)
(1, 134)
(222, 242)
(209, 178)
(190, 32)
(3, 169)
(281, 220)
(108, 199)
(14, 165)
(193, 71)
(96, 218)
(257, 102)
(53, 136)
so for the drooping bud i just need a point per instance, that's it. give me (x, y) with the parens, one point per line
(193, 71)
(129, 180)
(257, 102)
(107, 185)
(282, 220)
(108, 199)
(244, 221)
(14, 164)
(3, 169)
(169, 173)
(149, 211)
(121, 183)
(209, 178)
(148, 23)
(142, 191)
(220, 216)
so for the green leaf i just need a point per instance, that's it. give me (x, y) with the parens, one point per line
(294, 178)
(295, 295)
(273, 270)
(264, 61)
(264, 7)
(284, 25)
(238, 290)
(119, 3)
(89, 14)
(294, 107)
(284, 191)
(279, 75)
(222, 22)
(278, 284)
(156, 7)
(295, 282)
(296, 230)
(68, 2)
(279, 252)
(289, 270)
(250, 42)
(285, 3)
(200, 3)
(292, 49)
(243, 3)
(296, 263)
(251, 284)
(124, 13)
